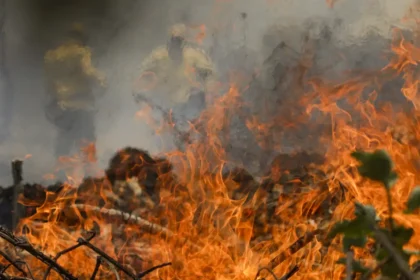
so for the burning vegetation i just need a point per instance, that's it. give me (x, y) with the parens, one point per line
(198, 213)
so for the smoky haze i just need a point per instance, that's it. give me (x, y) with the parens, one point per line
(122, 32)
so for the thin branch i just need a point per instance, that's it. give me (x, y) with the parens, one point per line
(13, 263)
(390, 219)
(289, 274)
(59, 254)
(399, 261)
(97, 265)
(106, 257)
(4, 268)
(150, 270)
(24, 245)
(369, 273)
(349, 265)
(266, 269)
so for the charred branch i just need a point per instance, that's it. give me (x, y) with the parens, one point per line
(150, 270)
(15, 264)
(96, 269)
(106, 257)
(24, 245)
(17, 188)
(52, 263)
(290, 273)
(65, 252)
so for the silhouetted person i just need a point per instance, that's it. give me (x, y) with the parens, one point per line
(177, 74)
(71, 82)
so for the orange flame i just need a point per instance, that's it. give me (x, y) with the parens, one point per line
(201, 228)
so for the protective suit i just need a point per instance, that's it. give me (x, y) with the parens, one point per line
(176, 74)
(71, 82)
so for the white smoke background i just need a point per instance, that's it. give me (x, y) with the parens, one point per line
(122, 32)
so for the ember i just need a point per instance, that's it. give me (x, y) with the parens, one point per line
(202, 211)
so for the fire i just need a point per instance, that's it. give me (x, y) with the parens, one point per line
(198, 225)
(331, 3)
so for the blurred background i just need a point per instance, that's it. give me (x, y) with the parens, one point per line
(239, 34)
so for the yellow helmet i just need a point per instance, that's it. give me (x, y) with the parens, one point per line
(178, 30)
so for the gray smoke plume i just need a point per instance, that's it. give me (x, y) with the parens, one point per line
(122, 32)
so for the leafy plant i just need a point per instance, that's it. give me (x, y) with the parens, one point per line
(389, 241)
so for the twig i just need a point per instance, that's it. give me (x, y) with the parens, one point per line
(13, 263)
(150, 270)
(24, 245)
(268, 270)
(290, 273)
(4, 268)
(390, 220)
(399, 261)
(349, 265)
(97, 265)
(116, 264)
(106, 257)
(59, 254)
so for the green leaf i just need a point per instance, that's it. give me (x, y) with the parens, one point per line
(340, 227)
(360, 155)
(352, 229)
(411, 252)
(401, 236)
(392, 179)
(357, 266)
(359, 227)
(365, 212)
(348, 242)
(414, 200)
(391, 268)
(376, 166)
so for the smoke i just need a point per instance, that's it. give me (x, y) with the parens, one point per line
(122, 32)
